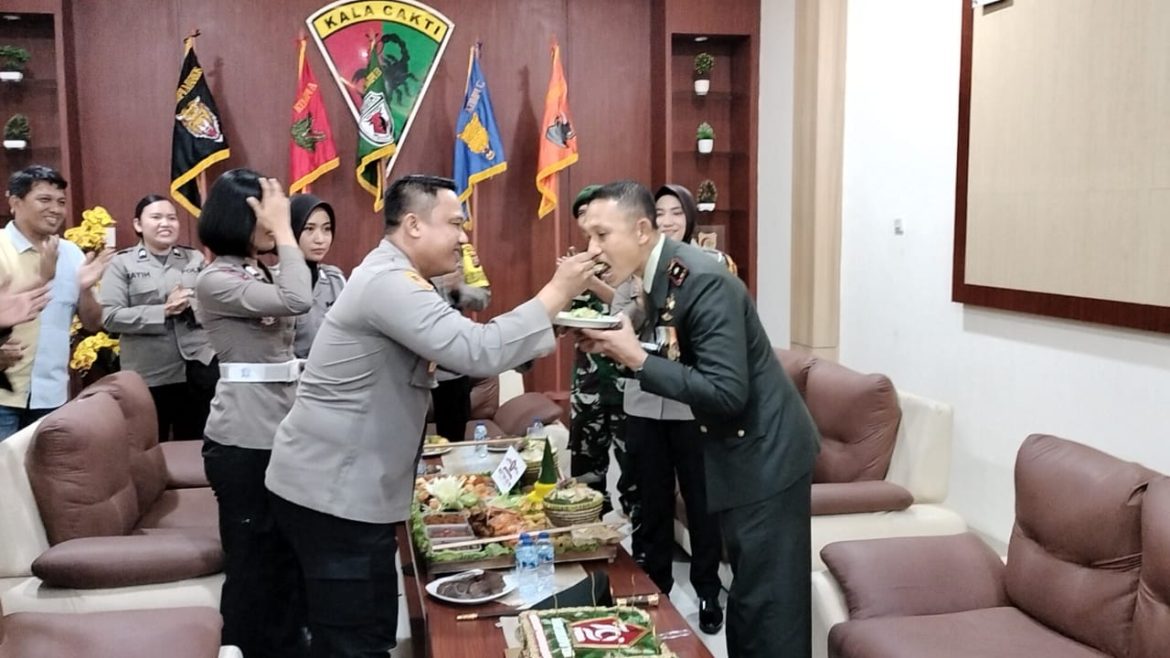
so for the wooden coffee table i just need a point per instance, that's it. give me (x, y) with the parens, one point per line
(433, 625)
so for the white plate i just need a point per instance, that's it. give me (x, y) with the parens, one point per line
(602, 322)
(503, 447)
(433, 588)
(435, 452)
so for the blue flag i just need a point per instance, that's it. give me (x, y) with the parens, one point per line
(479, 150)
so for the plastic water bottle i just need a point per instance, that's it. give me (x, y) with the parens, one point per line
(527, 569)
(536, 430)
(480, 437)
(546, 555)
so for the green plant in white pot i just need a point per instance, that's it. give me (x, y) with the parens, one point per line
(706, 137)
(12, 61)
(16, 132)
(703, 64)
(707, 194)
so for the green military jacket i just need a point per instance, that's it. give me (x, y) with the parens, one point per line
(596, 379)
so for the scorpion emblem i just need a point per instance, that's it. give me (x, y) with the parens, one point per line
(395, 70)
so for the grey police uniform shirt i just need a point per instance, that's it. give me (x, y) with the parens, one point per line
(635, 401)
(133, 295)
(250, 320)
(350, 444)
(471, 298)
(330, 281)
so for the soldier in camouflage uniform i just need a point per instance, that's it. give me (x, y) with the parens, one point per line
(595, 400)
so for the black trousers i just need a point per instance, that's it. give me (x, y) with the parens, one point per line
(452, 405)
(769, 609)
(262, 601)
(183, 408)
(350, 578)
(661, 451)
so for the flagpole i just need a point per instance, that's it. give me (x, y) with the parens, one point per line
(560, 369)
(474, 237)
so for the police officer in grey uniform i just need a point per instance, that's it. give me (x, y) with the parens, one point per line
(146, 296)
(343, 463)
(249, 313)
(313, 224)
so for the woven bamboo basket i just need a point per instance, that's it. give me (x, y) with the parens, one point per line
(567, 514)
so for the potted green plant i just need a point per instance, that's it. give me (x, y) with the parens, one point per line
(707, 196)
(706, 137)
(16, 132)
(703, 64)
(12, 61)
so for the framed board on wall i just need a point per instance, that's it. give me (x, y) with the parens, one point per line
(1063, 181)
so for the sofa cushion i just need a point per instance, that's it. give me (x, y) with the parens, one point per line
(102, 562)
(1151, 617)
(858, 497)
(999, 632)
(797, 365)
(171, 632)
(182, 508)
(857, 416)
(515, 416)
(485, 398)
(1075, 550)
(906, 576)
(78, 468)
(184, 464)
(147, 465)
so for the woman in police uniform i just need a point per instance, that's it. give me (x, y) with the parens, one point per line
(146, 296)
(249, 313)
(313, 223)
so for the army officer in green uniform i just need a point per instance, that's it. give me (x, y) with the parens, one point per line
(146, 295)
(759, 440)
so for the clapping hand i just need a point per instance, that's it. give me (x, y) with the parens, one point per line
(20, 306)
(178, 301)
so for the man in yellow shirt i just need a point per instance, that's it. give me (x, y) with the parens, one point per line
(32, 254)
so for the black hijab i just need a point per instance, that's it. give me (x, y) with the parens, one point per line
(690, 210)
(300, 207)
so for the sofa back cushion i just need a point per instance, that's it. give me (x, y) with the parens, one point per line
(1075, 550)
(1151, 617)
(796, 364)
(79, 470)
(857, 416)
(148, 466)
(485, 398)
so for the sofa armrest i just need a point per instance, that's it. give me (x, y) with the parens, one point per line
(101, 562)
(184, 461)
(515, 416)
(859, 497)
(921, 462)
(909, 576)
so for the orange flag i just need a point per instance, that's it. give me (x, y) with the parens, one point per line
(558, 141)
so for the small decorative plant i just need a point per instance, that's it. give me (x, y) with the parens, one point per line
(706, 137)
(12, 61)
(16, 132)
(703, 64)
(707, 194)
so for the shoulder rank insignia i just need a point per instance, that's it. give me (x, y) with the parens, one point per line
(677, 272)
(419, 280)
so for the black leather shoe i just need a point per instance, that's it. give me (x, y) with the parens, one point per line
(710, 615)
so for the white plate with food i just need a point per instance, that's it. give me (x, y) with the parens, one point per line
(591, 320)
(518, 444)
(435, 445)
(471, 587)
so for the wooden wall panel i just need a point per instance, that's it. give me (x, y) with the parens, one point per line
(128, 55)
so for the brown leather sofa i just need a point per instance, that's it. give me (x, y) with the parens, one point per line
(884, 462)
(510, 418)
(116, 521)
(171, 632)
(1087, 571)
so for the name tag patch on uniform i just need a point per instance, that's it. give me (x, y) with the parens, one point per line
(419, 280)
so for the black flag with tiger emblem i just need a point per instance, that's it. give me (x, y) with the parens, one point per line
(199, 140)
